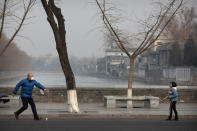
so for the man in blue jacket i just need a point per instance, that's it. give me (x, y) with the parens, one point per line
(26, 94)
(173, 98)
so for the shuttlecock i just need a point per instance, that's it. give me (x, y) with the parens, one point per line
(46, 118)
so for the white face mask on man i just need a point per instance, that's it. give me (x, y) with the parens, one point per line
(32, 78)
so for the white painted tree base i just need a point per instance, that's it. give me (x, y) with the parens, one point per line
(72, 101)
(129, 95)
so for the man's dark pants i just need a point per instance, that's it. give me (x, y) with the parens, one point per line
(173, 107)
(25, 102)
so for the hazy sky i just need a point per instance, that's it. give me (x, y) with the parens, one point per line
(84, 36)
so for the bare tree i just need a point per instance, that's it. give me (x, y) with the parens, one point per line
(56, 21)
(7, 12)
(150, 34)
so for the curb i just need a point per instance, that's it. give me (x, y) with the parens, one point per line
(95, 116)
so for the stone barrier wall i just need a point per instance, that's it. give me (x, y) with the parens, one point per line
(95, 95)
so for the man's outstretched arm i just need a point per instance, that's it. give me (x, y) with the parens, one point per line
(37, 84)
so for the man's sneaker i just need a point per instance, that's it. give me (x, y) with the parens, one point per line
(176, 119)
(16, 116)
(169, 118)
(39, 118)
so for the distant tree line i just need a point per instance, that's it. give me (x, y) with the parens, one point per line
(14, 59)
(185, 56)
(50, 63)
(183, 29)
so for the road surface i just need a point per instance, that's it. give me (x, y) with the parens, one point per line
(87, 124)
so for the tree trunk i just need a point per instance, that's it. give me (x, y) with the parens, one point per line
(70, 80)
(129, 91)
(59, 31)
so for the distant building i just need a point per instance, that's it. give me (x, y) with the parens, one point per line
(162, 63)
(115, 63)
(101, 66)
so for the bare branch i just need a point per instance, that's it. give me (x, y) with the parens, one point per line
(112, 30)
(19, 27)
(155, 28)
(142, 45)
(3, 17)
(151, 42)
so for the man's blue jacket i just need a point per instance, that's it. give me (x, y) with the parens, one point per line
(27, 87)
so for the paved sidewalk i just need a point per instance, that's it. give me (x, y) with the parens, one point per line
(98, 110)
